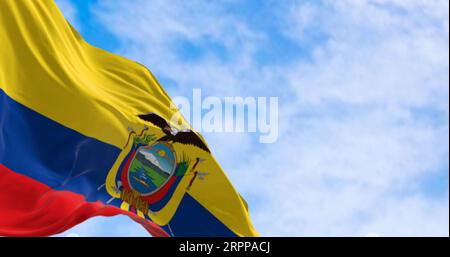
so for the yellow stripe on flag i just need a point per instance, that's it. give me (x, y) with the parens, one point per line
(50, 69)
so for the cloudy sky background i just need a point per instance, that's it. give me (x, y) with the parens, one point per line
(363, 91)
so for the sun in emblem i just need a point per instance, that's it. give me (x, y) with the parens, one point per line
(162, 153)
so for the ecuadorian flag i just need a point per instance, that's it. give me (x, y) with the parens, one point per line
(84, 132)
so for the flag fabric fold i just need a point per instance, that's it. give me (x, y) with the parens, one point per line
(81, 136)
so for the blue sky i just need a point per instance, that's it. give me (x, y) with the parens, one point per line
(364, 104)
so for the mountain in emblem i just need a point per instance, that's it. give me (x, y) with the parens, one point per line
(149, 164)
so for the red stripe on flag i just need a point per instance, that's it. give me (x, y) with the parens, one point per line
(31, 208)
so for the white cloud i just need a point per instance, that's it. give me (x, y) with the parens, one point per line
(116, 226)
(69, 11)
(363, 116)
(72, 235)
(359, 139)
(159, 27)
(411, 217)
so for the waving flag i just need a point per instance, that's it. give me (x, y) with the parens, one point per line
(84, 132)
